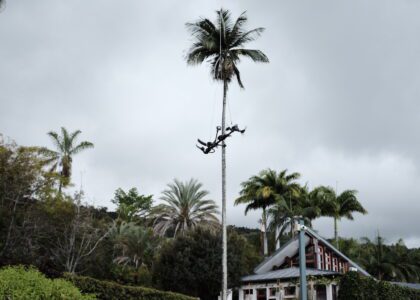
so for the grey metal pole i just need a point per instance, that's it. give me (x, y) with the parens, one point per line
(302, 262)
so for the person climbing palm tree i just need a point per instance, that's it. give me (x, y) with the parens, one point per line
(221, 44)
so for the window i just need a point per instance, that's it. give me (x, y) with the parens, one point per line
(248, 294)
(321, 258)
(290, 291)
(327, 262)
(321, 292)
(335, 266)
(334, 292)
(273, 292)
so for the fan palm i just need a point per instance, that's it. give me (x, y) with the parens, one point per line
(184, 208)
(62, 157)
(266, 189)
(340, 206)
(134, 244)
(221, 44)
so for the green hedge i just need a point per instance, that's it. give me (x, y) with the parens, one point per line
(355, 286)
(107, 290)
(23, 283)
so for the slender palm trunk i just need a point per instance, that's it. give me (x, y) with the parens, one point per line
(292, 232)
(336, 231)
(277, 237)
(224, 233)
(264, 224)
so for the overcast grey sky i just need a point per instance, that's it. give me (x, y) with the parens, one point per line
(339, 101)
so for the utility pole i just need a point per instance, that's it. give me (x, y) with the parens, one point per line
(303, 293)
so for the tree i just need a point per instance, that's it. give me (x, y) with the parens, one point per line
(62, 157)
(131, 205)
(340, 206)
(299, 203)
(134, 246)
(394, 263)
(22, 177)
(222, 45)
(266, 189)
(79, 239)
(184, 208)
(190, 264)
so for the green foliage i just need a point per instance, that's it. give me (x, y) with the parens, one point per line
(386, 262)
(191, 264)
(134, 248)
(185, 207)
(131, 205)
(30, 284)
(21, 179)
(222, 44)
(107, 290)
(61, 158)
(355, 286)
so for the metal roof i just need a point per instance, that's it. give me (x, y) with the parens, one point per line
(352, 263)
(264, 266)
(285, 273)
(415, 286)
(277, 258)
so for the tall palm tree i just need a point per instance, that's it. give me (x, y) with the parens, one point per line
(222, 45)
(292, 206)
(184, 208)
(62, 157)
(266, 189)
(340, 206)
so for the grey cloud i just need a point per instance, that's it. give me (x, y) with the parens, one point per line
(338, 102)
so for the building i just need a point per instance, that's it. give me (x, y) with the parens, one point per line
(277, 277)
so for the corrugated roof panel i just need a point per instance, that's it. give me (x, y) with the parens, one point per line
(285, 273)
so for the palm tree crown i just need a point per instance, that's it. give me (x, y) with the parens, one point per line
(66, 147)
(185, 208)
(222, 45)
(340, 206)
(266, 189)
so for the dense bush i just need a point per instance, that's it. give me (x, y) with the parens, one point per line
(30, 284)
(191, 264)
(107, 290)
(355, 286)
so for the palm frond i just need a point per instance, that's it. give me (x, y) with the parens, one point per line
(82, 146)
(247, 37)
(255, 55)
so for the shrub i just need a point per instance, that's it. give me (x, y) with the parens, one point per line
(355, 286)
(190, 264)
(107, 290)
(29, 284)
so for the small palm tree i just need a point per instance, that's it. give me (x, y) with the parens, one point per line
(340, 206)
(184, 208)
(62, 157)
(265, 190)
(133, 243)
